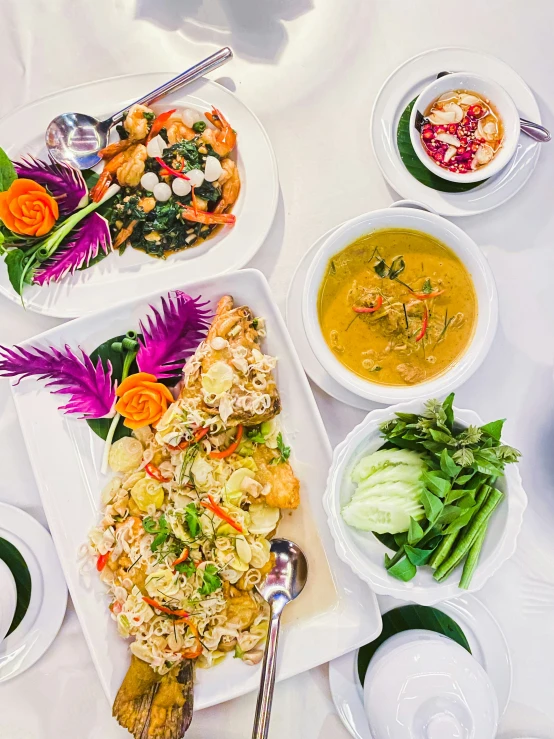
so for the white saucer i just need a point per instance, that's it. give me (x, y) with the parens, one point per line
(295, 326)
(405, 84)
(38, 629)
(486, 640)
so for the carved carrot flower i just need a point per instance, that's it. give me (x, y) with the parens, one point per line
(143, 400)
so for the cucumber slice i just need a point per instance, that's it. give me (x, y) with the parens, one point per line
(385, 458)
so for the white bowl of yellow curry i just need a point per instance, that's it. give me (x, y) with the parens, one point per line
(400, 304)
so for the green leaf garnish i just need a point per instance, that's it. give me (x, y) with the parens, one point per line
(192, 519)
(284, 451)
(211, 580)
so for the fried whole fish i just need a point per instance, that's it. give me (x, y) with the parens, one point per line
(232, 329)
(153, 706)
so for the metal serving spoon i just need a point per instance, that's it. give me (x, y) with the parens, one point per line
(283, 583)
(534, 130)
(76, 138)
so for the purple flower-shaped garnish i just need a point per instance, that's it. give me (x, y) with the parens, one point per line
(172, 335)
(66, 184)
(90, 387)
(82, 245)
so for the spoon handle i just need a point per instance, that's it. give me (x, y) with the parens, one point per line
(535, 130)
(267, 680)
(190, 75)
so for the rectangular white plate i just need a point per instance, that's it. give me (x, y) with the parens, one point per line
(336, 613)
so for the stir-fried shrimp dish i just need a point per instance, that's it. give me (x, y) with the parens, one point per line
(177, 176)
(187, 521)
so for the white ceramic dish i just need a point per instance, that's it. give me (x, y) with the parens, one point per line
(487, 643)
(423, 685)
(40, 625)
(122, 278)
(461, 244)
(8, 599)
(489, 90)
(365, 554)
(334, 614)
(405, 84)
(295, 325)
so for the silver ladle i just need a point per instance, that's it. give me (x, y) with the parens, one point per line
(76, 138)
(284, 583)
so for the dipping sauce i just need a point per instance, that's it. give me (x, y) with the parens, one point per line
(462, 131)
(397, 307)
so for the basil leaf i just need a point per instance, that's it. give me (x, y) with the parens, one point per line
(448, 410)
(460, 522)
(441, 436)
(381, 268)
(433, 505)
(436, 483)
(494, 429)
(159, 539)
(417, 556)
(397, 267)
(464, 478)
(403, 570)
(448, 466)
(415, 532)
(7, 171)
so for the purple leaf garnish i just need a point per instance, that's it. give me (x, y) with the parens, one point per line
(66, 184)
(172, 335)
(83, 244)
(90, 387)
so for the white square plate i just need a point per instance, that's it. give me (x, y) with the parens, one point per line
(336, 613)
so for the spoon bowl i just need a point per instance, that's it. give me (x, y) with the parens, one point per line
(284, 582)
(76, 138)
(287, 578)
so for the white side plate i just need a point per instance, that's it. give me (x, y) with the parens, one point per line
(118, 278)
(335, 614)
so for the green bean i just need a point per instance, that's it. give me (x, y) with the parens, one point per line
(472, 558)
(443, 549)
(469, 535)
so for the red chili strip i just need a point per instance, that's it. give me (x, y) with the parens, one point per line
(199, 434)
(184, 556)
(174, 172)
(102, 561)
(231, 448)
(214, 508)
(424, 325)
(427, 296)
(154, 472)
(171, 612)
(364, 309)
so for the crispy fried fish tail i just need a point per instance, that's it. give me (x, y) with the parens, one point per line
(134, 698)
(172, 707)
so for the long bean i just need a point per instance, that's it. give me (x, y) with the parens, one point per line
(472, 559)
(469, 536)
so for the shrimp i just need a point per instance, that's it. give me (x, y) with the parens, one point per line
(136, 124)
(178, 131)
(230, 185)
(224, 139)
(128, 166)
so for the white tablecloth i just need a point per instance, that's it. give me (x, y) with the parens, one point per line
(311, 69)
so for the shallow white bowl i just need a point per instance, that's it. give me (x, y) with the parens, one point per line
(490, 90)
(365, 553)
(466, 250)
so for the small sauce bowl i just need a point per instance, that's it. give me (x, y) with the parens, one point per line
(485, 88)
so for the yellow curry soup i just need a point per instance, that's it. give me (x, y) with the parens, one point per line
(397, 307)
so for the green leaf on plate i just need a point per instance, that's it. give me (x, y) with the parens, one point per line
(415, 532)
(100, 426)
(448, 466)
(406, 618)
(494, 429)
(7, 171)
(416, 168)
(417, 556)
(403, 570)
(433, 505)
(436, 483)
(22, 577)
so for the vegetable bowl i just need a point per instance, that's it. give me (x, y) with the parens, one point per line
(462, 559)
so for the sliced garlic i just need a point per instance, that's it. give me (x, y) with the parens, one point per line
(218, 343)
(218, 379)
(244, 552)
(448, 138)
(449, 154)
(466, 99)
(484, 154)
(487, 130)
